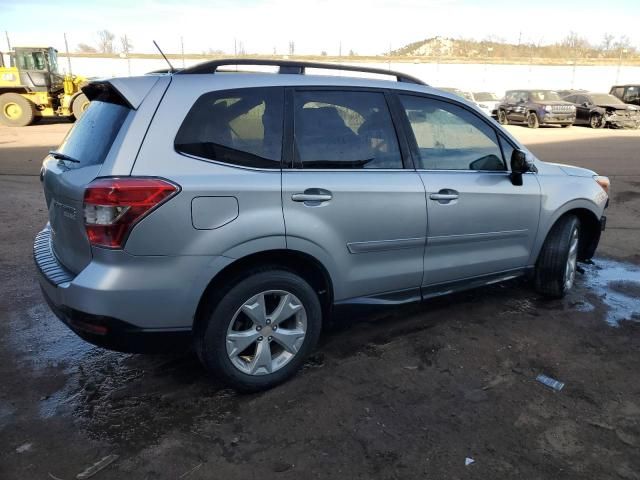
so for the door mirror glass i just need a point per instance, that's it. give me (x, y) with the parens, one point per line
(585, 104)
(519, 166)
(519, 162)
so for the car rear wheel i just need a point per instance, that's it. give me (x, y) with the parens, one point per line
(502, 117)
(557, 263)
(259, 333)
(16, 111)
(596, 121)
(532, 120)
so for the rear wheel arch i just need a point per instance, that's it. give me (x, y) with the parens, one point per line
(300, 263)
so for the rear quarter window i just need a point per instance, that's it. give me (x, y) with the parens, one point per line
(92, 136)
(239, 127)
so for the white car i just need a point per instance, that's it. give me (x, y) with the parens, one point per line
(487, 101)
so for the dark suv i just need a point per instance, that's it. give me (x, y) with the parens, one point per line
(627, 93)
(535, 108)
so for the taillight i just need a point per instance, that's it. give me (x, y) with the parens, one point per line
(112, 206)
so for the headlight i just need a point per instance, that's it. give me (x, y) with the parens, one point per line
(603, 182)
(548, 108)
(573, 108)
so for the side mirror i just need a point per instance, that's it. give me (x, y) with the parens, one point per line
(519, 165)
(585, 104)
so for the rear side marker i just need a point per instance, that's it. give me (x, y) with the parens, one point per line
(112, 206)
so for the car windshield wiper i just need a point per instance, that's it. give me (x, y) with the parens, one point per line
(62, 156)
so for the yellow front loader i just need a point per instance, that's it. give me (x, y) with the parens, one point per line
(31, 88)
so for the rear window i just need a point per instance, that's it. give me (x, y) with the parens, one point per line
(90, 139)
(240, 127)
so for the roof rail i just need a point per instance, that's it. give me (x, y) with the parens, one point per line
(294, 67)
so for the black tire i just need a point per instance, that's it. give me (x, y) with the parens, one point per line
(550, 272)
(79, 105)
(502, 117)
(596, 121)
(211, 334)
(532, 120)
(24, 109)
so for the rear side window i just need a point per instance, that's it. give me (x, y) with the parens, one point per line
(344, 130)
(240, 127)
(450, 137)
(91, 137)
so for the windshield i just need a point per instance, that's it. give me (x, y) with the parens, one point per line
(544, 95)
(53, 60)
(485, 96)
(605, 99)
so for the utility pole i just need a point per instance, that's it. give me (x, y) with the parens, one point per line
(622, 50)
(182, 49)
(126, 52)
(339, 49)
(66, 48)
(6, 34)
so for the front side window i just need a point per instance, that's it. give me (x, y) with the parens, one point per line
(242, 127)
(450, 137)
(344, 130)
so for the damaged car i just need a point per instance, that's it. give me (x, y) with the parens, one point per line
(599, 110)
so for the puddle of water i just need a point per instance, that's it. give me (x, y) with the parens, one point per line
(618, 286)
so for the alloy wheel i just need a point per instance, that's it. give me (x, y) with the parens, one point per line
(266, 332)
(572, 259)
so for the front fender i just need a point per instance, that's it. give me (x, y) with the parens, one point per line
(548, 218)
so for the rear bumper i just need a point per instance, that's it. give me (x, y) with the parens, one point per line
(125, 302)
(114, 334)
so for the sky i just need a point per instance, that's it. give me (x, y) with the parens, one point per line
(367, 27)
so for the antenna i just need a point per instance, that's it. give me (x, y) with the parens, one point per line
(171, 69)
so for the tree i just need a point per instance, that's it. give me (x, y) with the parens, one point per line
(292, 47)
(125, 45)
(323, 53)
(607, 42)
(85, 48)
(105, 41)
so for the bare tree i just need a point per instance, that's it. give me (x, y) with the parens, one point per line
(292, 47)
(623, 43)
(86, 48)
(125, 45)
(607, 42)
(105, 41)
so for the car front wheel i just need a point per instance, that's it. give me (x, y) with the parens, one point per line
(596, 121)
(532, 120)
(259, 333)
(557, 263)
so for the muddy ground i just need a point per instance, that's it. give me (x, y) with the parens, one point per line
(405, 394)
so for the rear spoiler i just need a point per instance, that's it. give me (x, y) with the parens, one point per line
(128, 91)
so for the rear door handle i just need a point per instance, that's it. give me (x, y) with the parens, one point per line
(313, 196)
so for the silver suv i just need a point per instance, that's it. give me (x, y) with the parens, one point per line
(236, 211)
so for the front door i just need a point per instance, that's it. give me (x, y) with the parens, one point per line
(479, 222)
(347, 198)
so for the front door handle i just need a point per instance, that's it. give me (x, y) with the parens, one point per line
(445, 195)
(312, 196)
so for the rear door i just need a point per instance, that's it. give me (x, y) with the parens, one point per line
(347, 196)
(479, 222)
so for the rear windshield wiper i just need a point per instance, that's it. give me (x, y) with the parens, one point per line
(62, 156)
